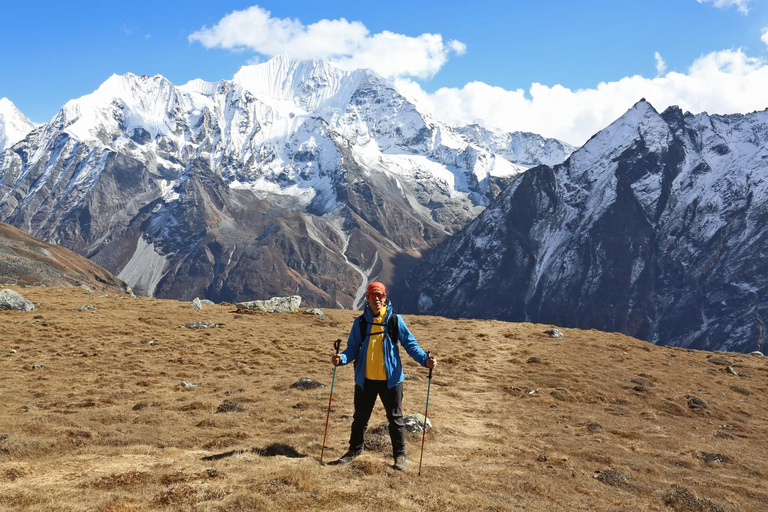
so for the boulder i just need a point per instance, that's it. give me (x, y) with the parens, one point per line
(10, 299)
(414, 423)
(197, 304)
(315, 311)
(274, 305)
(554, 333)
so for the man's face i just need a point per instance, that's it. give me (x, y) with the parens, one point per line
(376, 301)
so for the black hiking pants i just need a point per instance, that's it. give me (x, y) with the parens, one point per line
(365, 399)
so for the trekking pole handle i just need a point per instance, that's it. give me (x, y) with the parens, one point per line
(337, 345)
(430, 370)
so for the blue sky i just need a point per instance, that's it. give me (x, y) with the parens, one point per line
(465, 60)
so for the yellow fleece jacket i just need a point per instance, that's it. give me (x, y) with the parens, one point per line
(374, 365)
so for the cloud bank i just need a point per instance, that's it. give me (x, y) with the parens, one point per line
(348, 45)
(722, 82)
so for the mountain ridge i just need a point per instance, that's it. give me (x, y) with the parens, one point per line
(107, 177)
(28, 261)
(652, 228)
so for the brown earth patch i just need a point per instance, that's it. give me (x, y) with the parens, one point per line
(105, 423)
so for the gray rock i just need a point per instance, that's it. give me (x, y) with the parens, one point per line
(315, 311)
(274, 305)
(415, 423)
(200, 325)
(87, 307)
(209, 302)
(185, 384)
(38, 367)
(554, 333)
(10, 299)
(197, 304)
(732, 371)
(713, 458)
(756, 353)
(86, 288)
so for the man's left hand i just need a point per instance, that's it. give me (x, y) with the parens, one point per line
(431, 362)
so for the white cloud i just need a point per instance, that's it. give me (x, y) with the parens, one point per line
(722, 82)
(741, 5)
(661, 66)
(764, 37)
(458, 47)
(346, 44)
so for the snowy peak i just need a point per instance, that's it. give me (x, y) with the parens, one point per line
(121, 104)
(525, 149)
(14, 126)
(308, 84)
(641, 123)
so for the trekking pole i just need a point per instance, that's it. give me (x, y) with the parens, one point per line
(336, 345)
(424, 427)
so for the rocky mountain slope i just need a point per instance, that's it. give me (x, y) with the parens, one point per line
(656, 228)
(294, 177)
(25, 260)
(127, 410)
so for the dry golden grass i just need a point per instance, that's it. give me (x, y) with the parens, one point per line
(592, 421)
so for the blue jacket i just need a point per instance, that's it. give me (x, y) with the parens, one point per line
(357, 349)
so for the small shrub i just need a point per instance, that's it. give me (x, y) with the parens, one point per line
(228, 406)
(685, 500)
(612, 477)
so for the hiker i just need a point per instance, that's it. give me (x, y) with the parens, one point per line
(372, 345)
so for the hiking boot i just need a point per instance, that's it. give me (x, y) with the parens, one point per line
(399, 463)
(348, 457)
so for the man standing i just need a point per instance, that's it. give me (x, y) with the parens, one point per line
(378, 370)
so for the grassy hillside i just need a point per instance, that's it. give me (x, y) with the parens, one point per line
(522, 421)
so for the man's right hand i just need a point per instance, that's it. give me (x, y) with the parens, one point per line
(336, 359)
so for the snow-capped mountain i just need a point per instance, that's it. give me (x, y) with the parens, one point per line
(294, 177)
(13, 125)
(656, 227)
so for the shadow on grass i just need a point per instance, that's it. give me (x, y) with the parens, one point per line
(273, 450)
